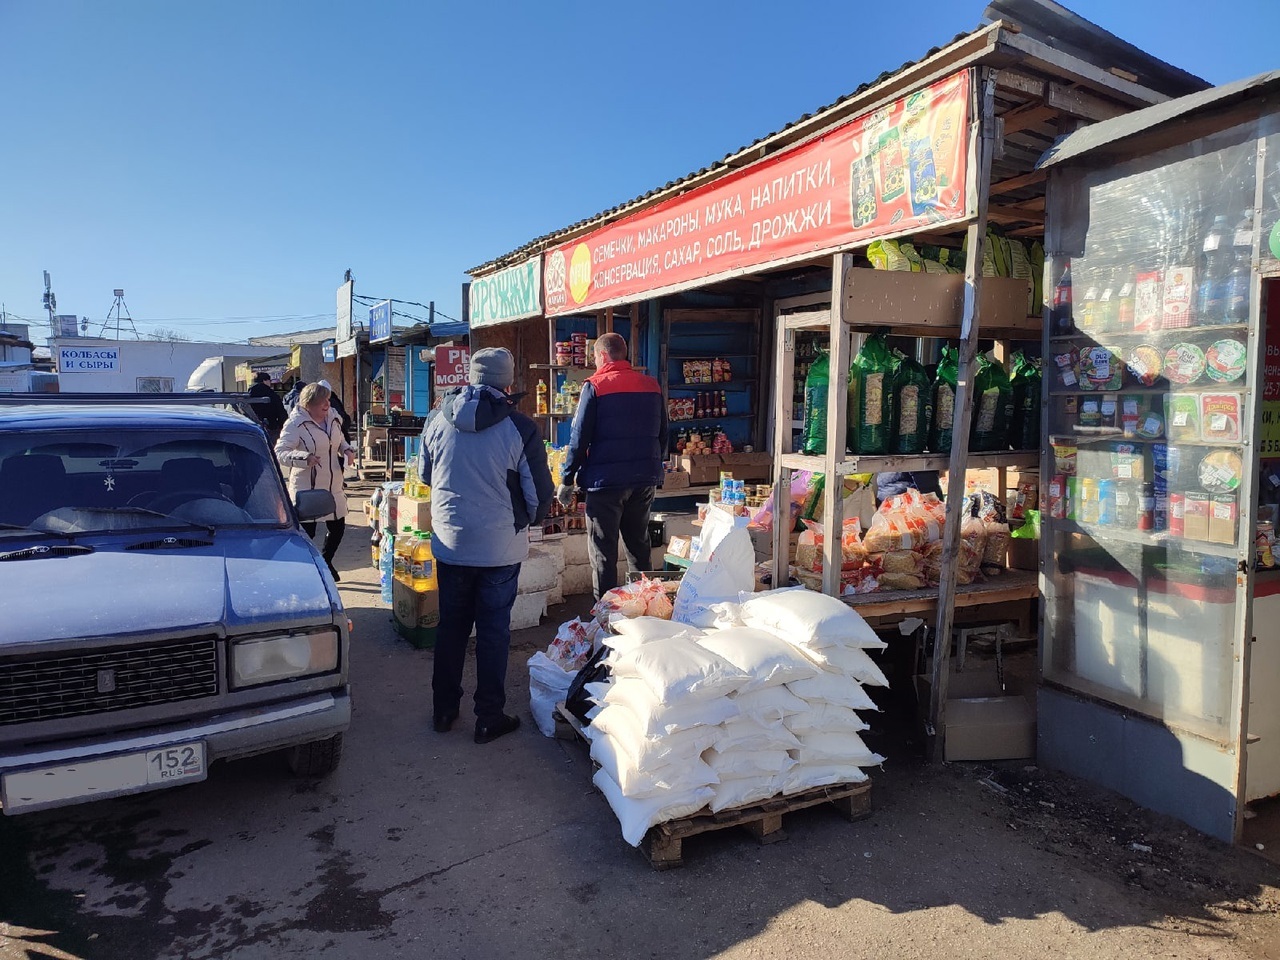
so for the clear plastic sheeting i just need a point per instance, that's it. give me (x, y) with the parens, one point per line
(1148, 368)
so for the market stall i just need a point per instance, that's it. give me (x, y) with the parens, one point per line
(922, 188)
(1160, 647)
(888, 242)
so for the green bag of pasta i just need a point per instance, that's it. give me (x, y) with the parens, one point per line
(944, 401)
(992, 407)
(871, 397)
(912, 407)
(816, 386)
(1024, 432)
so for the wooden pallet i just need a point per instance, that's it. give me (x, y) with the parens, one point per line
(663, 845)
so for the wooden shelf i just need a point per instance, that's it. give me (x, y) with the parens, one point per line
(712, 356)
(719, 385)
(727, 416)
(1174, 333)
(900, 300)
(1085, 438)
(1174, 388)
(1109, 532)
(1009, 586)
(910, 462)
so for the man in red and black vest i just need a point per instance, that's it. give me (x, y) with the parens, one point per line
(616, 450)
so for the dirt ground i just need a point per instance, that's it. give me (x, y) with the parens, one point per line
(428, 845)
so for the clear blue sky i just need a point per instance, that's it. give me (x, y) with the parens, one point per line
(228, 160)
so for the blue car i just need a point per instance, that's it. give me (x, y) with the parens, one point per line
(160, 607)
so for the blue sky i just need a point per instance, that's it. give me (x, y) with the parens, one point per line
(225, 162)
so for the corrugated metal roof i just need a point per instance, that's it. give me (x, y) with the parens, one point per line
(1083, 141)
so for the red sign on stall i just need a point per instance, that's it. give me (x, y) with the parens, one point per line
(896, 168)
(451, 367)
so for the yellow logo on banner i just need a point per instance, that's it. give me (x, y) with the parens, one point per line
(580, 273)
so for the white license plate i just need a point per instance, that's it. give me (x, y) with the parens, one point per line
(102, 777)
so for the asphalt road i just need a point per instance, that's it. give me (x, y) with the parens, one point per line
(427, 845)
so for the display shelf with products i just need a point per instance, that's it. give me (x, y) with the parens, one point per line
(706, 377)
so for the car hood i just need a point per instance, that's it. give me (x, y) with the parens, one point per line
(243, 581)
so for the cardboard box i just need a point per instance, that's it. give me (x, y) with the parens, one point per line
(417, 615)
(983, 722)
(675, 480)
(679, 547)
(1024, 555)
(706, 468)
(416, 513)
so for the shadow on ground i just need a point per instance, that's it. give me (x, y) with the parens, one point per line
(430, 845)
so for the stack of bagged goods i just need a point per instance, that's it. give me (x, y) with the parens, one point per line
(551, 672)
(761, 705)
(539, 575)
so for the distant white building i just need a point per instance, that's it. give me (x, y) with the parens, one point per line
(18, 371)
(93, 365)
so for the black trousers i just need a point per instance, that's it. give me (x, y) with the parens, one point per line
(481, 597)
(617, 510)
(334, 529)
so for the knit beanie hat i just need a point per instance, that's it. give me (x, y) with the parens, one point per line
(493, 367)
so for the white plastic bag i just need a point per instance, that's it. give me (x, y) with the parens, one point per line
(677, 669)
(850, 662)
(725, 568)
(747, 735)
(548, 685)
(767, 660)
(806, 776)
(739, 764)
(769, 706)
(808, 619)
(637, 816)
(740, 792)
(637, 781)
(620, 723)
(657, 719)
(824, 718)
(843, 746)
(629, 634)
(831, 688)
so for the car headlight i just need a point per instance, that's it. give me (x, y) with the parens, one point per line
(283, 658)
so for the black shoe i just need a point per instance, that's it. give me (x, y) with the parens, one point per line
(334, 570)
(444, 723)
(488, 732)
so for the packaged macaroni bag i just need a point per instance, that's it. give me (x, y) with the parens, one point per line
(912, 406)
(871, 397)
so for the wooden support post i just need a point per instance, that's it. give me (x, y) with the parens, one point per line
(837, 424)
(969, 328)
(608, 320)
(783, 373)
(768, 829)
(855, 806)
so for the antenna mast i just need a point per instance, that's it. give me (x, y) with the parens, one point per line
(120, 313)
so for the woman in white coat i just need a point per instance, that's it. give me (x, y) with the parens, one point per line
(311, 450)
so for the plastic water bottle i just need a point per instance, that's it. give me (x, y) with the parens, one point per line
(386, 570)
(1215, 263)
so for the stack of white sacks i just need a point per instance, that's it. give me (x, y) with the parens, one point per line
(763, 704)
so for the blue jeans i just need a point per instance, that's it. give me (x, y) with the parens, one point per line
(481, 597)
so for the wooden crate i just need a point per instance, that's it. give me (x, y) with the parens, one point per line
(663, 845)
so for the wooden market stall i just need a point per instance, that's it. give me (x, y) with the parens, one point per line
(778, 232)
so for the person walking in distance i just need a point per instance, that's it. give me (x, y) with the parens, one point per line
(616, 450)
(312, 449)
(272, 412)
(487, 468)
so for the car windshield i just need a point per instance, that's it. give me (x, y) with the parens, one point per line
(82, 482)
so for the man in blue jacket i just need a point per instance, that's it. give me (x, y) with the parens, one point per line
(616, 450)
(487, 468)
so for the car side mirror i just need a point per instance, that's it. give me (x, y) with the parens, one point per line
(314, 504)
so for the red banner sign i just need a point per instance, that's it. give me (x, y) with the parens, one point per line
(884, 173)
(451, 367)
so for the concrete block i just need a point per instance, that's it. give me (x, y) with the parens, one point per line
(538, 572)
